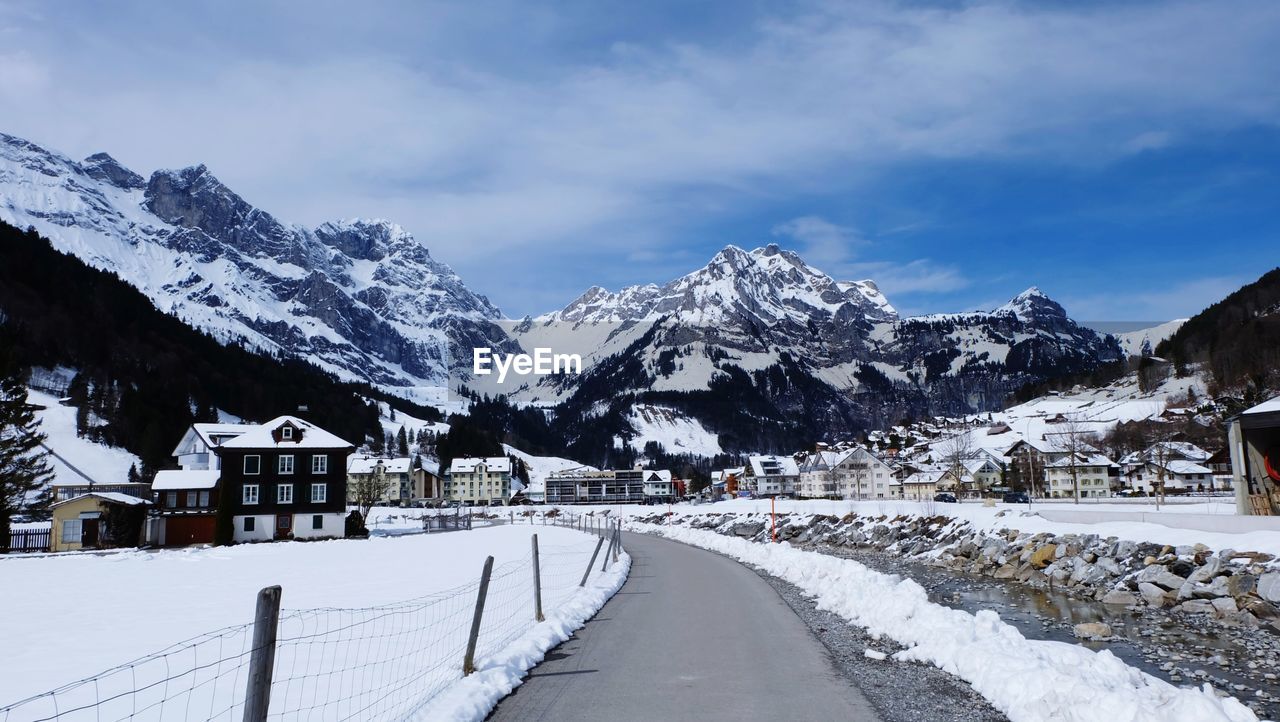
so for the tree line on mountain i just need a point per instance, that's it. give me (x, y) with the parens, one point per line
(141, 376)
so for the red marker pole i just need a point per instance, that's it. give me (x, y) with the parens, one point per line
(773, 518)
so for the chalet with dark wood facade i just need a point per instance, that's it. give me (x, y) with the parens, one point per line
(285, 479)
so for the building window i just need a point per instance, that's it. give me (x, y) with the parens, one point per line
(319, 492)
(320, 464)
(204, 498)
(317, 521)
(253, 464)
(286, 433)
(191, 498)
(71, 531)
(171, 499)
(250, 495)
(250, 523)
(286, 463)
(284, 494)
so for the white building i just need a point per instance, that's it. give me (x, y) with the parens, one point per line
(479, 480)
(1177, 474)
(195, 451)
(1093, 471)
(394, 482)
(773, 475)
(658, 485)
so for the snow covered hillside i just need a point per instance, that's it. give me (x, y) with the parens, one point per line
(1144, 341)
(104, 464)
(361, 298)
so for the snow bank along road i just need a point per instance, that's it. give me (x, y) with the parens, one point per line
(1028, 680)
(691, 635)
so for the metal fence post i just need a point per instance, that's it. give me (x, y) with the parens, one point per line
(262, 659)
(591, 563)
(537, 583)
(469, 661)
(604, 564)
(617, 539)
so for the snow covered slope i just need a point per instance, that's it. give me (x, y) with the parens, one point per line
(676, 433)
(1143, 341)
(105, 464)
(359, 297)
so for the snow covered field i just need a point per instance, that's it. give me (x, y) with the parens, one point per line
(364, 606)
(1026, 679)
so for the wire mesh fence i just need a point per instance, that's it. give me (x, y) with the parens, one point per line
(373, 663)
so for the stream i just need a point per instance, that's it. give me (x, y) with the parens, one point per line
(1186, 650)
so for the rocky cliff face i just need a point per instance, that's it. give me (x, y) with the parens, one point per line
(361, 298)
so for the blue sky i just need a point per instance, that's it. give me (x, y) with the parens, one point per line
(1121, 156)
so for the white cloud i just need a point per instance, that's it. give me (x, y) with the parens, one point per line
(579, 149)
(1181, 299)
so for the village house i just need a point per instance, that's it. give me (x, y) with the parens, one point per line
(426, 476)
(392, 481)
(772, 475)
(924, 485)
(479, 481)
(1091, 470)
(186, 499)
(285, 479)
(97, 520)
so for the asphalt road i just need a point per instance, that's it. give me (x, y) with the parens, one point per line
(691, 635)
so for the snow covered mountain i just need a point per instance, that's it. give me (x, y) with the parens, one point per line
(361, 298)
(791, 346)
(751, 347)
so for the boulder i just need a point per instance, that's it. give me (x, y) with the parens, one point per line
(1240, 585)
(1225, 605)
(1043, 555)
(1125, 549)
(1269, 586)
(1119, 598)
(1086, 573)
(1093, 630)
(1203, 574)
(1197, 606)
(1109, 565)
(1008, 571)
(1154, 596)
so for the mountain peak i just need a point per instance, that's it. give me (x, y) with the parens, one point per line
(1033, 304)
(103, 167)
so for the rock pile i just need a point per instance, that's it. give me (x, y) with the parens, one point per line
(1235, 588)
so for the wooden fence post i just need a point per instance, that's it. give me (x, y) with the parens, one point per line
(262, 659)
(537, 584)
(591, 563)
(469, 661)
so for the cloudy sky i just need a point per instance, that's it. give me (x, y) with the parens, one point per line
(1122, 156)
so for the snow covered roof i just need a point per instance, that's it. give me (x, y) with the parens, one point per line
(1081, 460)
(468, 464)
(1183, 467)
(216, 434)
(930, 476)
(657, 475)
(1266, 407)
(264, 436)
(774, 466)
(366, 465)
(109, 496)
(185, 479)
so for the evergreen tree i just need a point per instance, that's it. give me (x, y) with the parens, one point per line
(393, 411)
(402, 443)
(24, 464)
(134, 476)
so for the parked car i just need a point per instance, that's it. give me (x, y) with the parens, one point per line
(949, 498)
(1016, 497)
